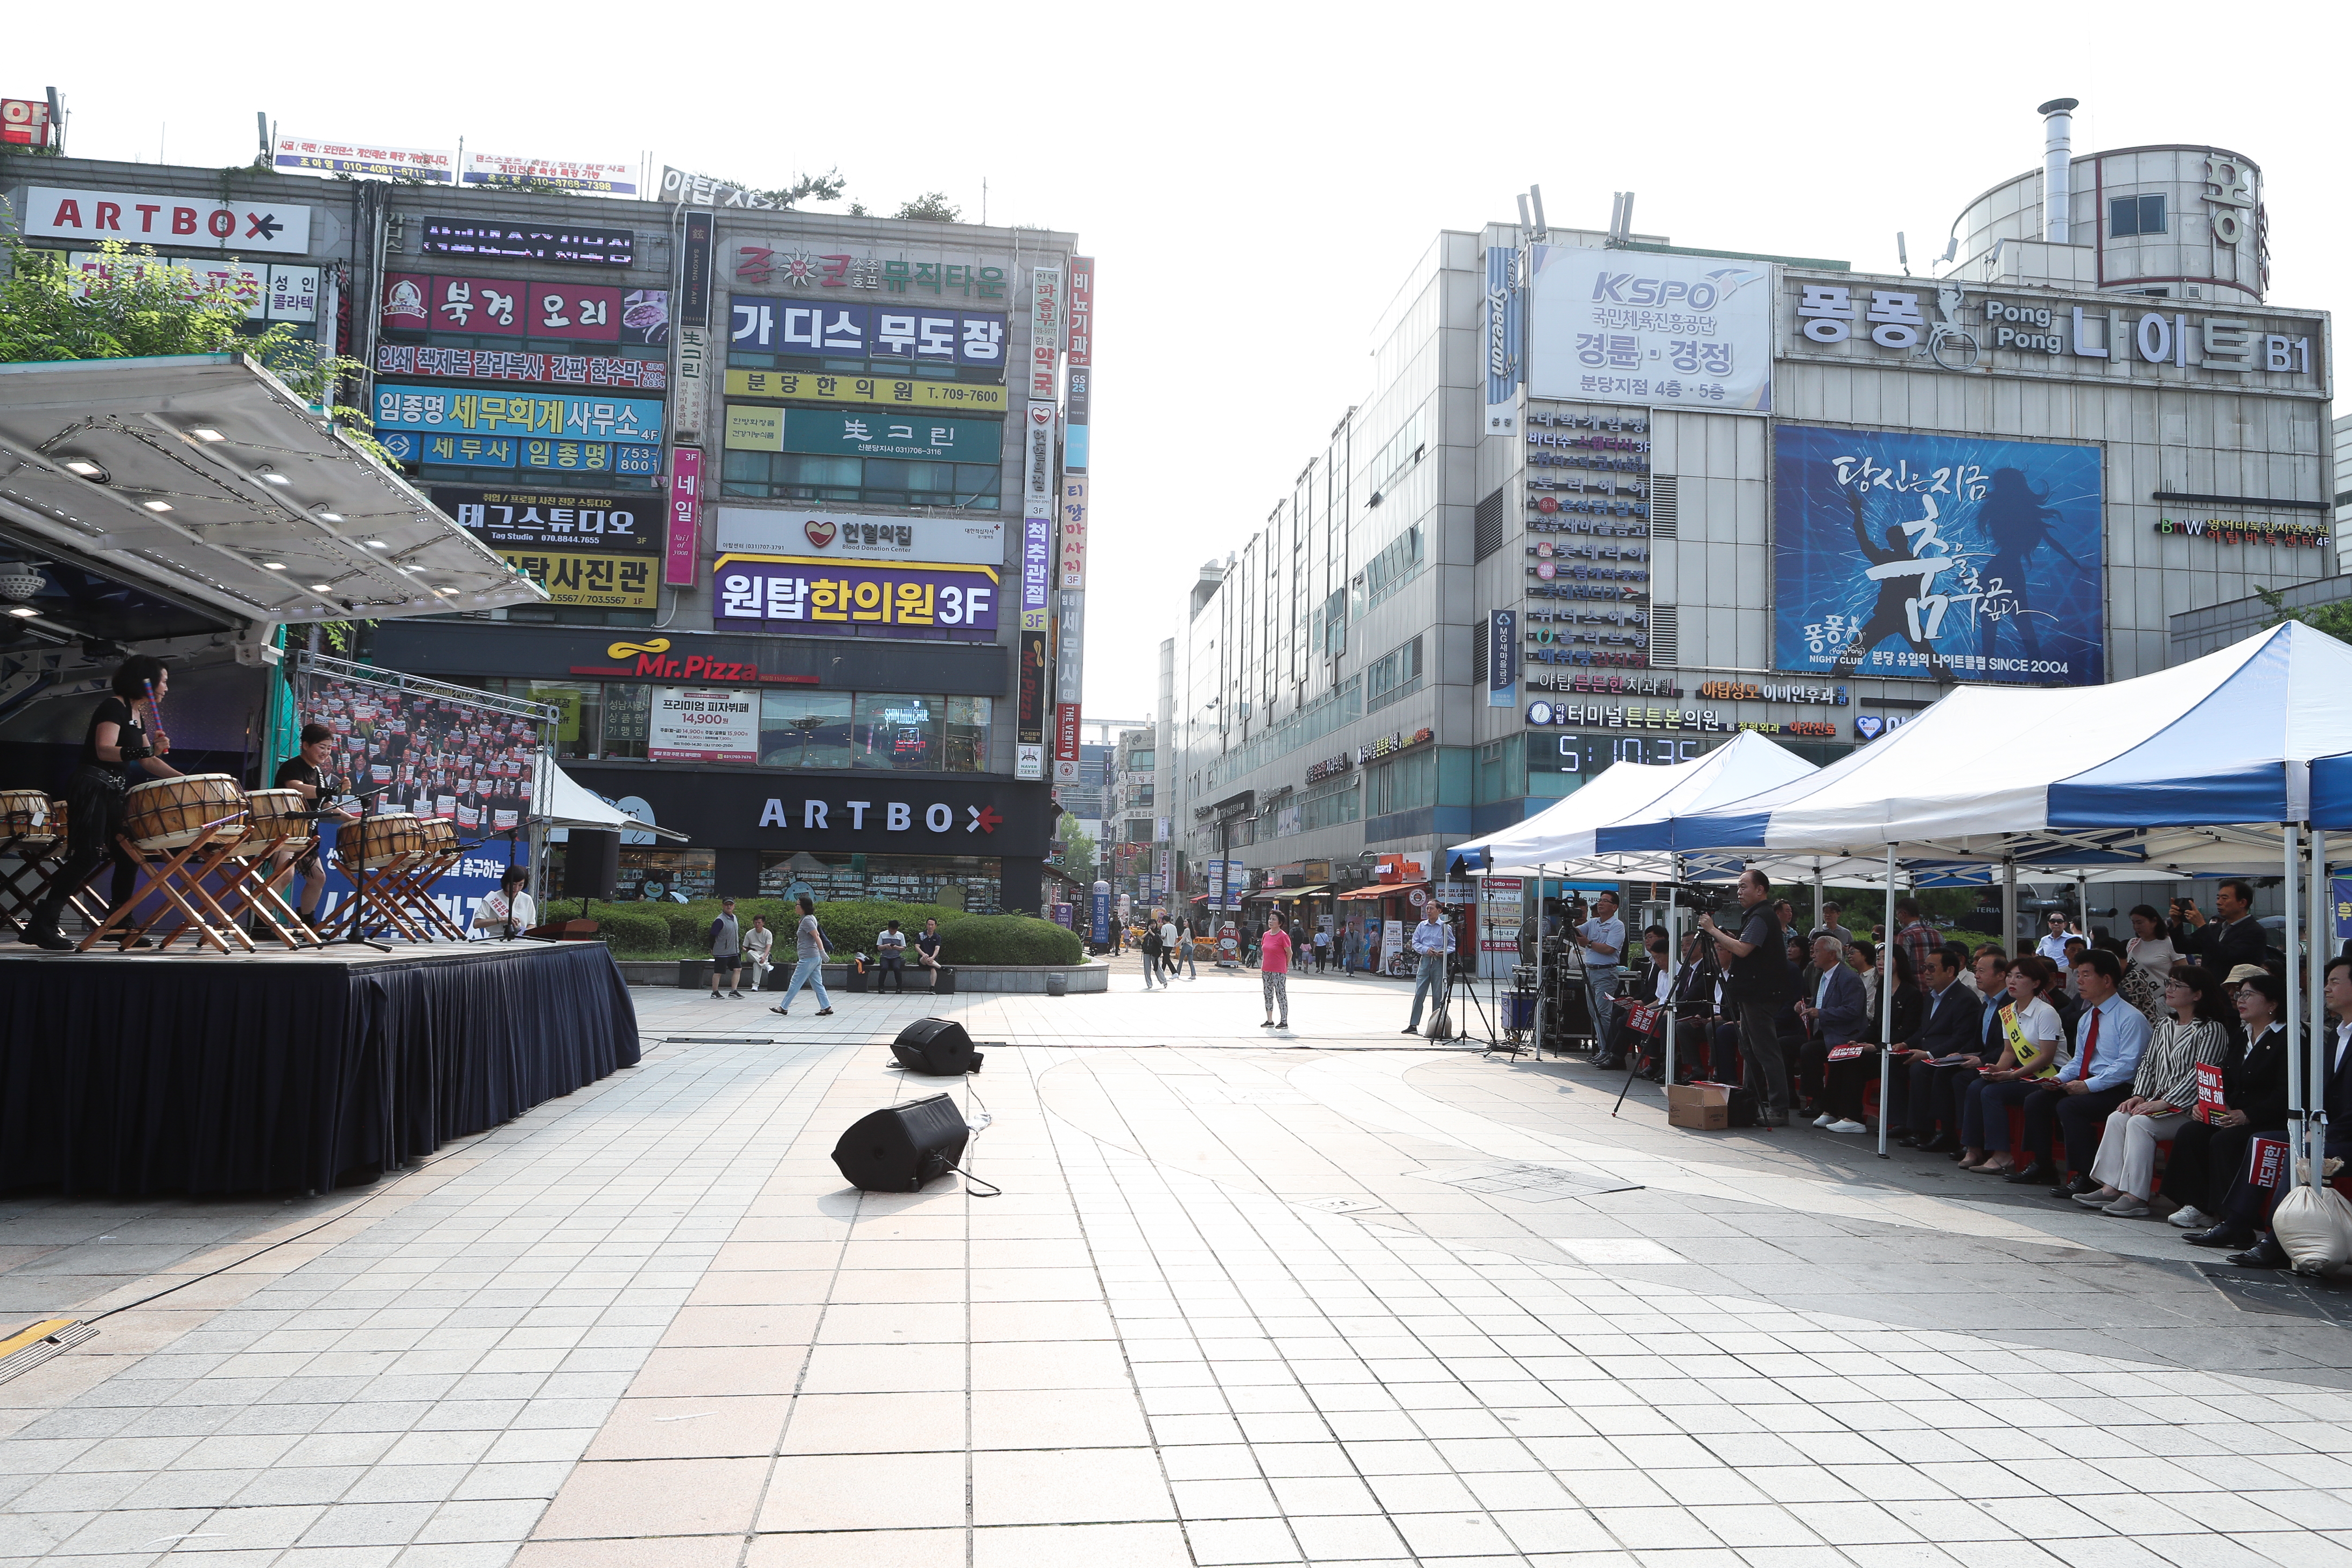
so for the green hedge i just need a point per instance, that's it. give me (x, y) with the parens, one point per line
(849, 925)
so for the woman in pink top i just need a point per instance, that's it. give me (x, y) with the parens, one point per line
(1273, 972)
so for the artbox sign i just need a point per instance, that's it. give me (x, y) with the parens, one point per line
(862, 536)
(1947, 557)
(185, 223)
(1635, 327)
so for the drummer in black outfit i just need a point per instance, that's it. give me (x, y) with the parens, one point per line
(119, 750)
(302, 771)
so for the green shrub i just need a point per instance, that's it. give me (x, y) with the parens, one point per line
(850, 925)
(1008, 938)
(632, 931)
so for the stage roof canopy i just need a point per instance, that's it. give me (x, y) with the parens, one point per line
(204, 481)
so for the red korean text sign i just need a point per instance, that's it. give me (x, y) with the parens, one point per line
(684, 517)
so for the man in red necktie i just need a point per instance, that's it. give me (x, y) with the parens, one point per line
(2109, 1037)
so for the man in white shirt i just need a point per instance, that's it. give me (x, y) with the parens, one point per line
(1601, 940)
(2052, 945)
(1432, 940)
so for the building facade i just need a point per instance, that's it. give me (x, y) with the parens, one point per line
(1610, 499)
(790, 478)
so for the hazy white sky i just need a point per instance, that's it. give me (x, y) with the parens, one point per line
(1255, 180)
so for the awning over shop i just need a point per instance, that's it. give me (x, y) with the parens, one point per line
(1384, 890)
(1284, 895)
(203, 481)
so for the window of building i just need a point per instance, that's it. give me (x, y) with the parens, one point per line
(1396, 675)
(628, 719)
(1330, 803)
(1140, 762)
(1392, 569)
(899, 731)
(667, 873)
(2128, 216)
(959, 881)
(805, 729)
(878, 481)
(581, 732)
(1408, 781)
(1502, 772)
(968, 720)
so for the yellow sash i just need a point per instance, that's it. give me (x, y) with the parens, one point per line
(2024, 1049)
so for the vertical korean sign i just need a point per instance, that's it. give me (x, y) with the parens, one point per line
(684, 517)
(1029, 737)
(690, 386)
(1078, 407)
(1502, 341)
(1502, 658)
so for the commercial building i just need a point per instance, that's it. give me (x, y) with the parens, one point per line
(791, 480)
(1612, 499)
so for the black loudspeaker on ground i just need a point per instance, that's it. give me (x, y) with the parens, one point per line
(938, 1047)
(897, 1150)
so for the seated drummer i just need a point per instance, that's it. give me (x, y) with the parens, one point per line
(125, 746)
(302, 771)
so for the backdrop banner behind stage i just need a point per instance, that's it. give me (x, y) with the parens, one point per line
(1952, 556)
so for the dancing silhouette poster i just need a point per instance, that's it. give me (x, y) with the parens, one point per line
(1937, 557)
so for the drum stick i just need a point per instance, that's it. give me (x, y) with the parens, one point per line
(162, 744)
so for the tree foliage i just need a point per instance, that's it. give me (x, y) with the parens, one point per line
(931, 206)
(2335, 619)
(1079, 857)
(825, 187)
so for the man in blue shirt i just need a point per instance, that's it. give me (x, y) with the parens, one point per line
(1603, 939)
(1433, 939)
(2108, 1039)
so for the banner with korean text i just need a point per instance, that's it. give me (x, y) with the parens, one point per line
(1628, 326)
(814, 596)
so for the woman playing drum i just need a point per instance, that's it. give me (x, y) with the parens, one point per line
(125, 746)
(305, 771)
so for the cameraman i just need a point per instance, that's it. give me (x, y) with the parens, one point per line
(1760, 983)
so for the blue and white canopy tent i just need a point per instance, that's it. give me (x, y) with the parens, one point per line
(2201, 770)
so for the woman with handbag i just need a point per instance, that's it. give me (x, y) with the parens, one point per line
(123, 746)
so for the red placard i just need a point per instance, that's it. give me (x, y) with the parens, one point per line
(685, 550)
(568, 310)
(2210, 1091)
(1082, 310)
(1066, 731)
(499, 305)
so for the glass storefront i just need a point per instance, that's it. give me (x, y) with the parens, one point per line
(888, 731)
(959, 881)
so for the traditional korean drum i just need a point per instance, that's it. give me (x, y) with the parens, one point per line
(270, 820)
(380, 840)
(169, 814)
(58, 818)
(440, 836)
(24, 816)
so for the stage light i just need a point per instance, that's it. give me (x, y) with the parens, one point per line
(156, 505)
(206, 433)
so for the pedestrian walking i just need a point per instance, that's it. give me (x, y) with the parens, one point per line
(726, 951)
(1184, 956)
(1167, 948)
(1322, 948)
(759, 942)
(1151, 955)
(1433, 939)
(1273, 973)
(810, 969)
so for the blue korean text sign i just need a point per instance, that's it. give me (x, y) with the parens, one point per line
(1942, 557)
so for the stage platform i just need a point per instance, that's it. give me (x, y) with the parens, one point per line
(285, 1072)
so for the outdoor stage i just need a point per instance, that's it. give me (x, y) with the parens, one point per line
(287, 1072)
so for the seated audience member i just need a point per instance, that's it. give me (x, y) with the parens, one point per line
(2110, 1035)
(1835, 1014)
(1950, 1023)
(1946, 1083)
(2262, 1003)
(1846, 1083)
(1864, 957)
(2029, 1037)
(1698, 1008)
(2163, 1097)
(2076, 946)
(1786, 1025)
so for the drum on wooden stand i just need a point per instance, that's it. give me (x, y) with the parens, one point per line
(170, 813)
(380, 840)
(24, 816)
(271, 819)
(440, 836)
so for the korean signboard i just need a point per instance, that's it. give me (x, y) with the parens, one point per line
(1069, 654)
(881, 391)
(1038, 497)
(513, 364)
(1077, 414)
(24, 122)
(1942, 557)
(697, 724)
(1502, 657)
(1029, 731)
(276, 293)
(1045, 329)
(683, 553)
(831, 433)
(1072, 547)
(810, 596)
(592, 580)
(1036, 570)
(694, 264)
(513, 307)
(1082, 310)
(597, 178)
(862, 536)
(774, 267)
(1634, 327)
(528, 242)
(328, 155)
(550, 454)
(622, 419)
(1504, 325)
(181, 223)
(543, 519)
(846, 329)
(700, 190)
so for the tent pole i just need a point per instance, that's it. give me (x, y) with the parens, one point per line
(2315, 963)
(1886, 1010)
(1820, 919)
(2298, 1082)
(1674, 966)
(2009, 906)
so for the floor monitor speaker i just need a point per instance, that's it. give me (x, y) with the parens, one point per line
(899, 1149)
(936, 1047)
